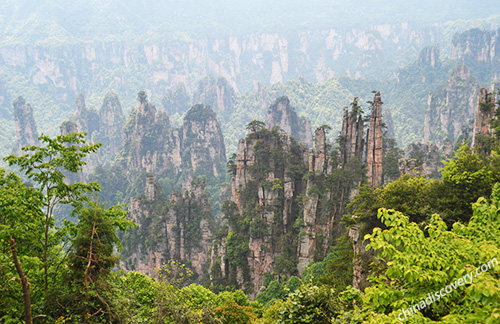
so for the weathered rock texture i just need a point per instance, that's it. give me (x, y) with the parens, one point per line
(216, 93)
(484, 112)
(152, 145)
(421, 159)
(351, 136)
(103, 126)
(176, 100)
(480, 45)
(374, 149)
(267, 172)
(26, 133)
(281, 114)
(179, 228)
(164, 161)
(449, 109)
(429, 56)
(287, 200)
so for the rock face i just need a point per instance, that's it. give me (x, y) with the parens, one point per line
(281, 114)
(287, 200)
(111, 121)
(429, 56)
(484, 112)
(103, 126)
(351, 136)
(176, 100)
(179, 229)
(478, 46)
(202, 143)
(216, 93)
(149, 143)
(26, 133)
(450, 108)
(176, 156)
(375, 144)
(318, 224)
(422, 159)
(483, 46)
(265, 186)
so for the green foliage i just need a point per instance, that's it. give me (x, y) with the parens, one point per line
(274, 290)
(309, 304)
(466, 178)
(90, 294)
(27, 217)
(21, 216)
(46, 166)
(200, 113)
(415, 263)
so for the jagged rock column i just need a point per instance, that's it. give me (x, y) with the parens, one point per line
(351, 136)
(26, 132)
(375, 143)
(283, 115)
(485, 111)
(111, 121)
(318, 163)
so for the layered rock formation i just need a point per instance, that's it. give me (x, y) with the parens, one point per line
(484, 112)
(281, 114)
(317, 223)
(26, 133)
(429, 56)
(166, 161)
(479, 47)
(111, 121)
(176, 156)
(265, 185)
(149, 142)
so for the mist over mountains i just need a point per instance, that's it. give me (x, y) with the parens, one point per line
(52, 50)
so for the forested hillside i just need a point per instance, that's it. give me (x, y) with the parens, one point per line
(249, 161)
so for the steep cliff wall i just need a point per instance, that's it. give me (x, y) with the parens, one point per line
(287, 200)
(450, 108)
(351, 141)
(480, 50)
(422, 159)
(261, 234)
(216, 93)
(149, 144)
(281, 114)
(103, 126)
(176, 156)
(178, 228)
(375, 145)
(26, 133)
(484, 112)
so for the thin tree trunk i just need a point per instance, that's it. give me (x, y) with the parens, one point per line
(24, 283)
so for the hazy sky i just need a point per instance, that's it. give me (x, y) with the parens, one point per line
(90, 18)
